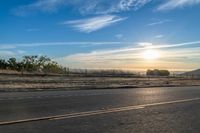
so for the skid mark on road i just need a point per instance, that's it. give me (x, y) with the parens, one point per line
(97, 112)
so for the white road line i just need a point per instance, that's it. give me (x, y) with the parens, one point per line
(113, 110)
(97, 112)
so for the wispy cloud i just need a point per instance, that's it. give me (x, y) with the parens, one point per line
(97, 6)
(106, 7)
(95, 23)
(134, 4)
(11, 53)
(89, 43)
(172, 4)
(83, 6)
(5, 53)
(159, 22)
(140, 45)
(7, 46)
(21, 52)
(145, 44)
(119, 36)
(121, 57)
(132, 56)
(39, 5)
(32, 29)
(159, 36)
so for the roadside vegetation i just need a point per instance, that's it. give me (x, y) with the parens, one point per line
(42, 73)
(44, 65)
(32, 64)
(157, 72)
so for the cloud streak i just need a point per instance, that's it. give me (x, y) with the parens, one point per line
(11, 53)
(172, 4)
(140, 45)
(39, 5)
(132, 57)
(159, 22)
(124, 57)
(98, 6)
(106, 7)
(83, 6)
(39, 44)
(32, 29)
(159, 36)
(143, 46)
(95, 23)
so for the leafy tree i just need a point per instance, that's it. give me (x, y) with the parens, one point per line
(3, 64)
(42, 61)
(53, 67)
(33, 64)
(12, 63)
(30, 63)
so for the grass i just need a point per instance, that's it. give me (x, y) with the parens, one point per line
(17, 82)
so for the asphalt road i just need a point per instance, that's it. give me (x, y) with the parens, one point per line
(102, 111)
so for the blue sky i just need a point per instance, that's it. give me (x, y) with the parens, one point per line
(103, 33)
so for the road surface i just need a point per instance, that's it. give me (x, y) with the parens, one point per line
(102, 111)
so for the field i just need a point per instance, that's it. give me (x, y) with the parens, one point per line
(17, 82)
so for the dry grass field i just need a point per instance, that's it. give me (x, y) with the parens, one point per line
(17, 82)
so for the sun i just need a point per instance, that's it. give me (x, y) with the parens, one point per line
(151, 54)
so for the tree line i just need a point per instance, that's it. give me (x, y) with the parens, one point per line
(157, 72)
(32, 64)
(43, 64)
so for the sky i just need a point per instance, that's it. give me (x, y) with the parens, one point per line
(104, 34)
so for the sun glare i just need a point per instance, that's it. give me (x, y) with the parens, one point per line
(151, 54)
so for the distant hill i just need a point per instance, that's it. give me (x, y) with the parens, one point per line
(195, 73)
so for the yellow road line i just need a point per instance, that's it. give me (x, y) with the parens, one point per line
(97, 112)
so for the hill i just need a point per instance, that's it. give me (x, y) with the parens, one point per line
(195, 73)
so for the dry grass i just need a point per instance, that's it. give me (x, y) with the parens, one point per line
(24, 83)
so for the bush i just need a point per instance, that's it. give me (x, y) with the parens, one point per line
(32, 64)
(157, 72)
